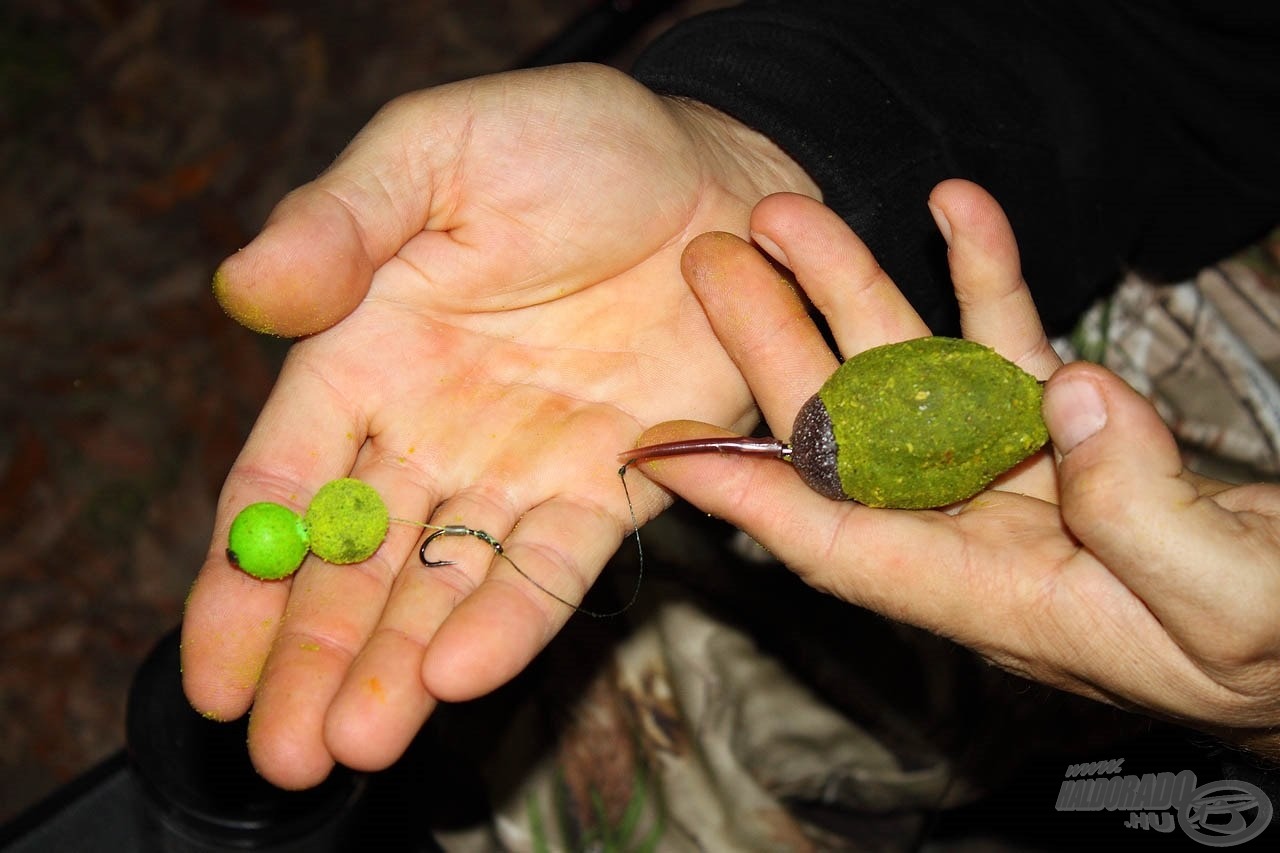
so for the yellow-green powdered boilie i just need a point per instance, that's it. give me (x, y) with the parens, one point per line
(347, 521)
(928, 422)
(267, 540)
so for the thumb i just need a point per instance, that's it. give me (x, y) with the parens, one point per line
(1118, 461)
(306, 269)
(764, 497)
(313, 261)
(303, 273)
(1125, 496)
(901, 564)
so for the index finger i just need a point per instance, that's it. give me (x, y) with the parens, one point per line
(302, 439)
(762, 323)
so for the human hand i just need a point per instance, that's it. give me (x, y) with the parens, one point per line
(1114, 573)
(492, 271)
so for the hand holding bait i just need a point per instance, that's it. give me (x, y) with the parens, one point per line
(910, 425)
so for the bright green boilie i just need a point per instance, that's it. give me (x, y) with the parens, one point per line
(929, 422)
(267, 540)
(347, 521)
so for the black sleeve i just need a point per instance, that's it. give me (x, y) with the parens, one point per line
(1116, 135)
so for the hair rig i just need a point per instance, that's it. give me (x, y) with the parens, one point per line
(346, 522)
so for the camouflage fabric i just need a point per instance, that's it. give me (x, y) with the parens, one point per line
(1206, 352)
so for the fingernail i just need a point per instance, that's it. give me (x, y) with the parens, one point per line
(944, 224)
(771, 248)
(1074, 412)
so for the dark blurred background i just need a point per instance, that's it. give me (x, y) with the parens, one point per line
(140, 143)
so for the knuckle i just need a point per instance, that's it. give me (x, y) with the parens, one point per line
(1095, 501)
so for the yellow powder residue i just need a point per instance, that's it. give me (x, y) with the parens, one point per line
(249, 316)
(247, 675)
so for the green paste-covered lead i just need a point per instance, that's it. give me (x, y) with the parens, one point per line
(928, 422)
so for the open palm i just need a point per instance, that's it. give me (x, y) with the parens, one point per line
(490, 278)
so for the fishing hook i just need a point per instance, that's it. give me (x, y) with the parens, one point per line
(457, 530)
(496, 545)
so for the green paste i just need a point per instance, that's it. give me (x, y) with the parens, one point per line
(928, 422)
